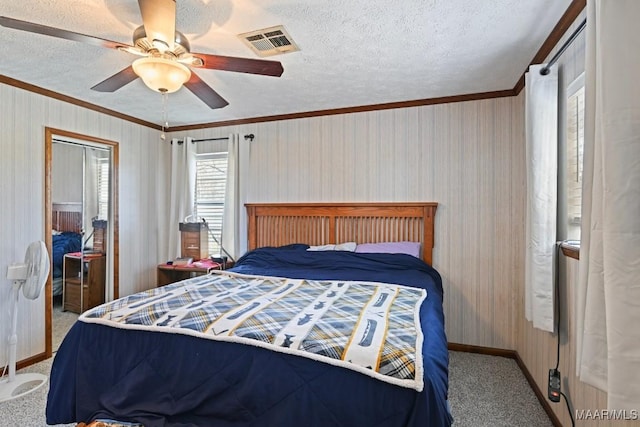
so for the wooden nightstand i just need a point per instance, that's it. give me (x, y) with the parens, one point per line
(169, 273)
(83, 282)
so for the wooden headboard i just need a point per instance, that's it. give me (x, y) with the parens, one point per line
(67, 217)
(277, 224)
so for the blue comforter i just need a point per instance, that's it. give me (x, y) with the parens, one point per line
(160, 379)
(64, 243)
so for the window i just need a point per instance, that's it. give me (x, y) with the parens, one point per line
(575, 149)
(211, 178)
(103, 188)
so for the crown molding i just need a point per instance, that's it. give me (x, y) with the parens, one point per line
(348, 110)
(64, 98)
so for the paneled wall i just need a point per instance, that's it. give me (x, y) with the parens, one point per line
(468, 157)
(143, 161)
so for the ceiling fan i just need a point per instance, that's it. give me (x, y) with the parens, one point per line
(165, 54)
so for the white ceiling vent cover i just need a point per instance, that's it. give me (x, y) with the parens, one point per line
(269, 41)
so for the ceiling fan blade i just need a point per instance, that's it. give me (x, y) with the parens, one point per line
(116, 81)
(205, 92)
(159, 19)
(240, 65)
(57, 32)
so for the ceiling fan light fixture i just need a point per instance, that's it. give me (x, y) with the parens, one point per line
(161, 74)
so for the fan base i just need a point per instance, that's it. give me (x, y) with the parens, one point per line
(21, 385)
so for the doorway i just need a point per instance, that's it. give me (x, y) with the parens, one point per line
(81, 227)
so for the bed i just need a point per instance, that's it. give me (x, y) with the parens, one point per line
(66, 238)
(153, 378)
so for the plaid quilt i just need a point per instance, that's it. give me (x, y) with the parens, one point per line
(370, 327)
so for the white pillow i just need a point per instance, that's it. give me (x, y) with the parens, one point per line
(347, 246)
(322, 248)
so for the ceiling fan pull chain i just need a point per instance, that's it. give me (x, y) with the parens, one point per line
(165, 113)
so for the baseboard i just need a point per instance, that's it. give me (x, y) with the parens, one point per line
(511, 354)
(27, 362)
(31, 360)
(489, 351)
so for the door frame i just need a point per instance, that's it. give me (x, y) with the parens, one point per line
(50, 133)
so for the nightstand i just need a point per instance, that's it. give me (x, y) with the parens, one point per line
(169, 273)
(83, 282)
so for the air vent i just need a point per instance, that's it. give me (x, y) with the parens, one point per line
(269, 41)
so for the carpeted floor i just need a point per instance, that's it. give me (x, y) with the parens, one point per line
(483, 391)
(491, 391)
(29, 410)
(62, 321)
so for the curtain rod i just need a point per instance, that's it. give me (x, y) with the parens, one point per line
(545, 70)
(249, 136)
(209, 139)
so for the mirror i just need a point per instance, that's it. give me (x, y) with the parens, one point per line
(81, 227)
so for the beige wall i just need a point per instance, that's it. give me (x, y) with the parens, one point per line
(468, 157)
(23, 118)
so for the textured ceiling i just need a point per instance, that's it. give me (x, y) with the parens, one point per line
(353, 52)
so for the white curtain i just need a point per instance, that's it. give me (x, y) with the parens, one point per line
(232, 205)
(542, 170)
(608, 302)
(183, 184)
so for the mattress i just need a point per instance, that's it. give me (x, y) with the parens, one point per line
(161, 379)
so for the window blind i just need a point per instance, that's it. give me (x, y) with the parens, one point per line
(103, 188)
(211, 179)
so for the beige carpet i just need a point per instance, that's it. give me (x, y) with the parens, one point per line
(28, 411)
(62, 322)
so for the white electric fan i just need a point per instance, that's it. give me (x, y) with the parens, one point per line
(31, 276)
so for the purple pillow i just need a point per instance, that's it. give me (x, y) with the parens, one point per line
(409, 248)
